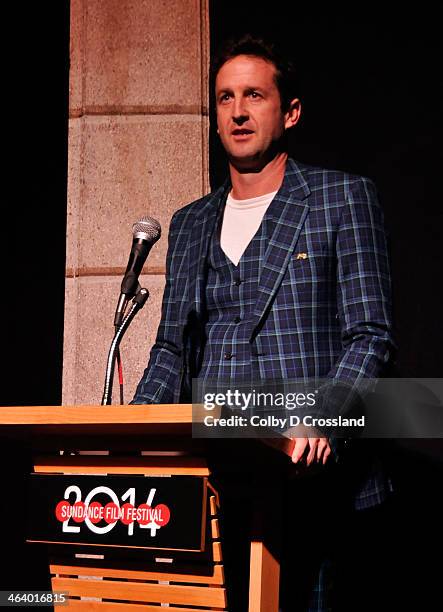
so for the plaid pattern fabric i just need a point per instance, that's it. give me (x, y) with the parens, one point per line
(322, 305)
(321, 596)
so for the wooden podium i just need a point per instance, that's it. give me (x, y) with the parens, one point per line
(135, 441)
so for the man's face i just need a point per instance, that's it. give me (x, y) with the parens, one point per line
(249, 116)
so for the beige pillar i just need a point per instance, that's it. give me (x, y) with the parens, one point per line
(137, 146)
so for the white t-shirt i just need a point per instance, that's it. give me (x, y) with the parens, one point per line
(241, 221)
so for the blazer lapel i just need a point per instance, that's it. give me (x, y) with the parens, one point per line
(198, 247)
(283, 220)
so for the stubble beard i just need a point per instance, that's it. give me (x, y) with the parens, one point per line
(256, 161)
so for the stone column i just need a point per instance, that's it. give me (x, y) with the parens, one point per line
(138, 142)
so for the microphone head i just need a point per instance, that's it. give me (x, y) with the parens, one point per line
(147, 228)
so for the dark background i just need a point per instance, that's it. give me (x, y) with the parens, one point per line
(369, 94)
(35, 141)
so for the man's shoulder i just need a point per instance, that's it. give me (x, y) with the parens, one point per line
(187, 214)
(318, 177)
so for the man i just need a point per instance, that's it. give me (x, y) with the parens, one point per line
(280, 274)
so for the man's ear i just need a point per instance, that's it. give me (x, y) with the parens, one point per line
(293, 114)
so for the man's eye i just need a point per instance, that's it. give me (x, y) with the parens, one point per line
(254, 94)
(224, 97)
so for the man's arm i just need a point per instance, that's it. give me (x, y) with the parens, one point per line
(363, 298)
(364, 308)
(363, 287)
(161, 377)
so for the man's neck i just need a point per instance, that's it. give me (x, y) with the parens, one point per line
(253, 184)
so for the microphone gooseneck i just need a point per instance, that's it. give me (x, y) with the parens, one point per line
(145, 233)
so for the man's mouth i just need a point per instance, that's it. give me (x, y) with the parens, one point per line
(241, 132)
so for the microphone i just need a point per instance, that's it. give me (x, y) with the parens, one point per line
(145, 232)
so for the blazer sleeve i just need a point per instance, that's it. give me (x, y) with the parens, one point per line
(363, 286)
(363, 304)
(160, 380)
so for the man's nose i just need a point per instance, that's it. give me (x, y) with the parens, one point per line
(239, 111)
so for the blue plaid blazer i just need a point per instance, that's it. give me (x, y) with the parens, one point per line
(323, 305)
(324, 297)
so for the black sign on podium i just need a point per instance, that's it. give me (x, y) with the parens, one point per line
(122, 511)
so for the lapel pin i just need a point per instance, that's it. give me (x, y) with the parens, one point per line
(302, 256)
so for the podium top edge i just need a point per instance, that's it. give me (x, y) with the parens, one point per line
(94, 415)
